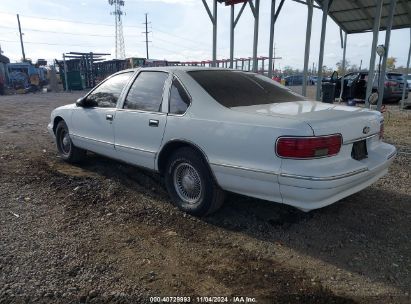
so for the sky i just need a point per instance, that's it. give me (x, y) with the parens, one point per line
(179, 30)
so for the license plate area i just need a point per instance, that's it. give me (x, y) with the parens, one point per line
(359, 150)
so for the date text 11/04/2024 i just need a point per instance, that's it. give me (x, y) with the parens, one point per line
(234, 299)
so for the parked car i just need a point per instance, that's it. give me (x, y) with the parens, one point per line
(409, 82)
(313, 79)
(208, 131)
(298, 80)
(294, 80)
(355, 86)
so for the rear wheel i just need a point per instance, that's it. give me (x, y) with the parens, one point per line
(65, 147)
(191, 184)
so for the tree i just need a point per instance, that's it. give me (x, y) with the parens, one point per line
(391, 63)
(339, 66)
(353, 68)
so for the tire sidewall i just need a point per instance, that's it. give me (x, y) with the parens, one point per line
(62, 126)
(205, 202)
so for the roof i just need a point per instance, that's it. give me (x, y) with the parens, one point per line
(358, 16)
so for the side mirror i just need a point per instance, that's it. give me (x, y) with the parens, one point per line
(81, 102)
(334, 76)
(373, 98)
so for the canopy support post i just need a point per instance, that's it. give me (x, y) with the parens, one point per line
(371, 70)
(271, 44)
(256, 12)
(343, 63)
(233, 24)
(384, 59)
(322, 41)
(307, 45)
(407, 70)
(213, 18)
(232, 37)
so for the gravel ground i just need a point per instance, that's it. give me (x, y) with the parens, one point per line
(105, 232)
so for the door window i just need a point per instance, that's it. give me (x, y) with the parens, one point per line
(179, 99)
(106, 95)
(146, 93)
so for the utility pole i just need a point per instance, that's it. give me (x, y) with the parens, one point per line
(146, 32)
(21, 39)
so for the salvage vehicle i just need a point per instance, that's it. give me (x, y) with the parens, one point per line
(210, 130)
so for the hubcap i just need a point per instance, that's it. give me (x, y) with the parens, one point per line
(65, 142)
(187, 183)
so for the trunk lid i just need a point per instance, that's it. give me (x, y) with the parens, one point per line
(324, 119)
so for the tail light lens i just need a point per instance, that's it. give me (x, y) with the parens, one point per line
(308, 147)
(390, 83)
(382, 130)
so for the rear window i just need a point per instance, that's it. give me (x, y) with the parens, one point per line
(395, 76)
(240, 89)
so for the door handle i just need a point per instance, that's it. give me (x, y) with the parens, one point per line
(153, 123)
(109, 117)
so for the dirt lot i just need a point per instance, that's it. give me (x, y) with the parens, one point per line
(106, 232)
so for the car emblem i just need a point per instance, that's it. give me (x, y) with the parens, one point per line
(366, 130)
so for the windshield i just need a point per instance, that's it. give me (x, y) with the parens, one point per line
(240, 89)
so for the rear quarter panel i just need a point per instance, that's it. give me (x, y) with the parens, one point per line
(240, 147)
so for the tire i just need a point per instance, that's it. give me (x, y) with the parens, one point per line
(68, 152)
(190, 183)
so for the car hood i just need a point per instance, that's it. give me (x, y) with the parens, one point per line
(324, 119)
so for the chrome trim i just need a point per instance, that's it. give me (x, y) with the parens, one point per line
(327, 178)
(92, 139)
(140, 111)
(245, 168)
(132, 148)
(360, 138)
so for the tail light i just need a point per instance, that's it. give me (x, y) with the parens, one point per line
(382, 129)
(308, 147)
(390, 84)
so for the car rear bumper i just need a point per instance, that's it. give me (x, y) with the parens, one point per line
(311, 192)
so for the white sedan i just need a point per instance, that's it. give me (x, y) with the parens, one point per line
(208, 131)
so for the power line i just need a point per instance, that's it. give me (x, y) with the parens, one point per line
(181, 37)
(68, 20)
(62, 33)
(47, 43)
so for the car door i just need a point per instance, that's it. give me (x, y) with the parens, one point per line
(140, 121)
(92, 127)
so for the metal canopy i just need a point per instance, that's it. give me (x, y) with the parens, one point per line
(358, 16)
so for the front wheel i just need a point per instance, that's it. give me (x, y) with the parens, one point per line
(191, 184)
(65, 147)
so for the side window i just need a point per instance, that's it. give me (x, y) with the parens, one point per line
(179, 99)
(107, 94)
(146, 93)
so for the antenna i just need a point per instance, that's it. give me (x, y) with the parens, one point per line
(119, 43)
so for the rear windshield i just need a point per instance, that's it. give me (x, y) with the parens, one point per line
(395, 76)
(240, 89)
